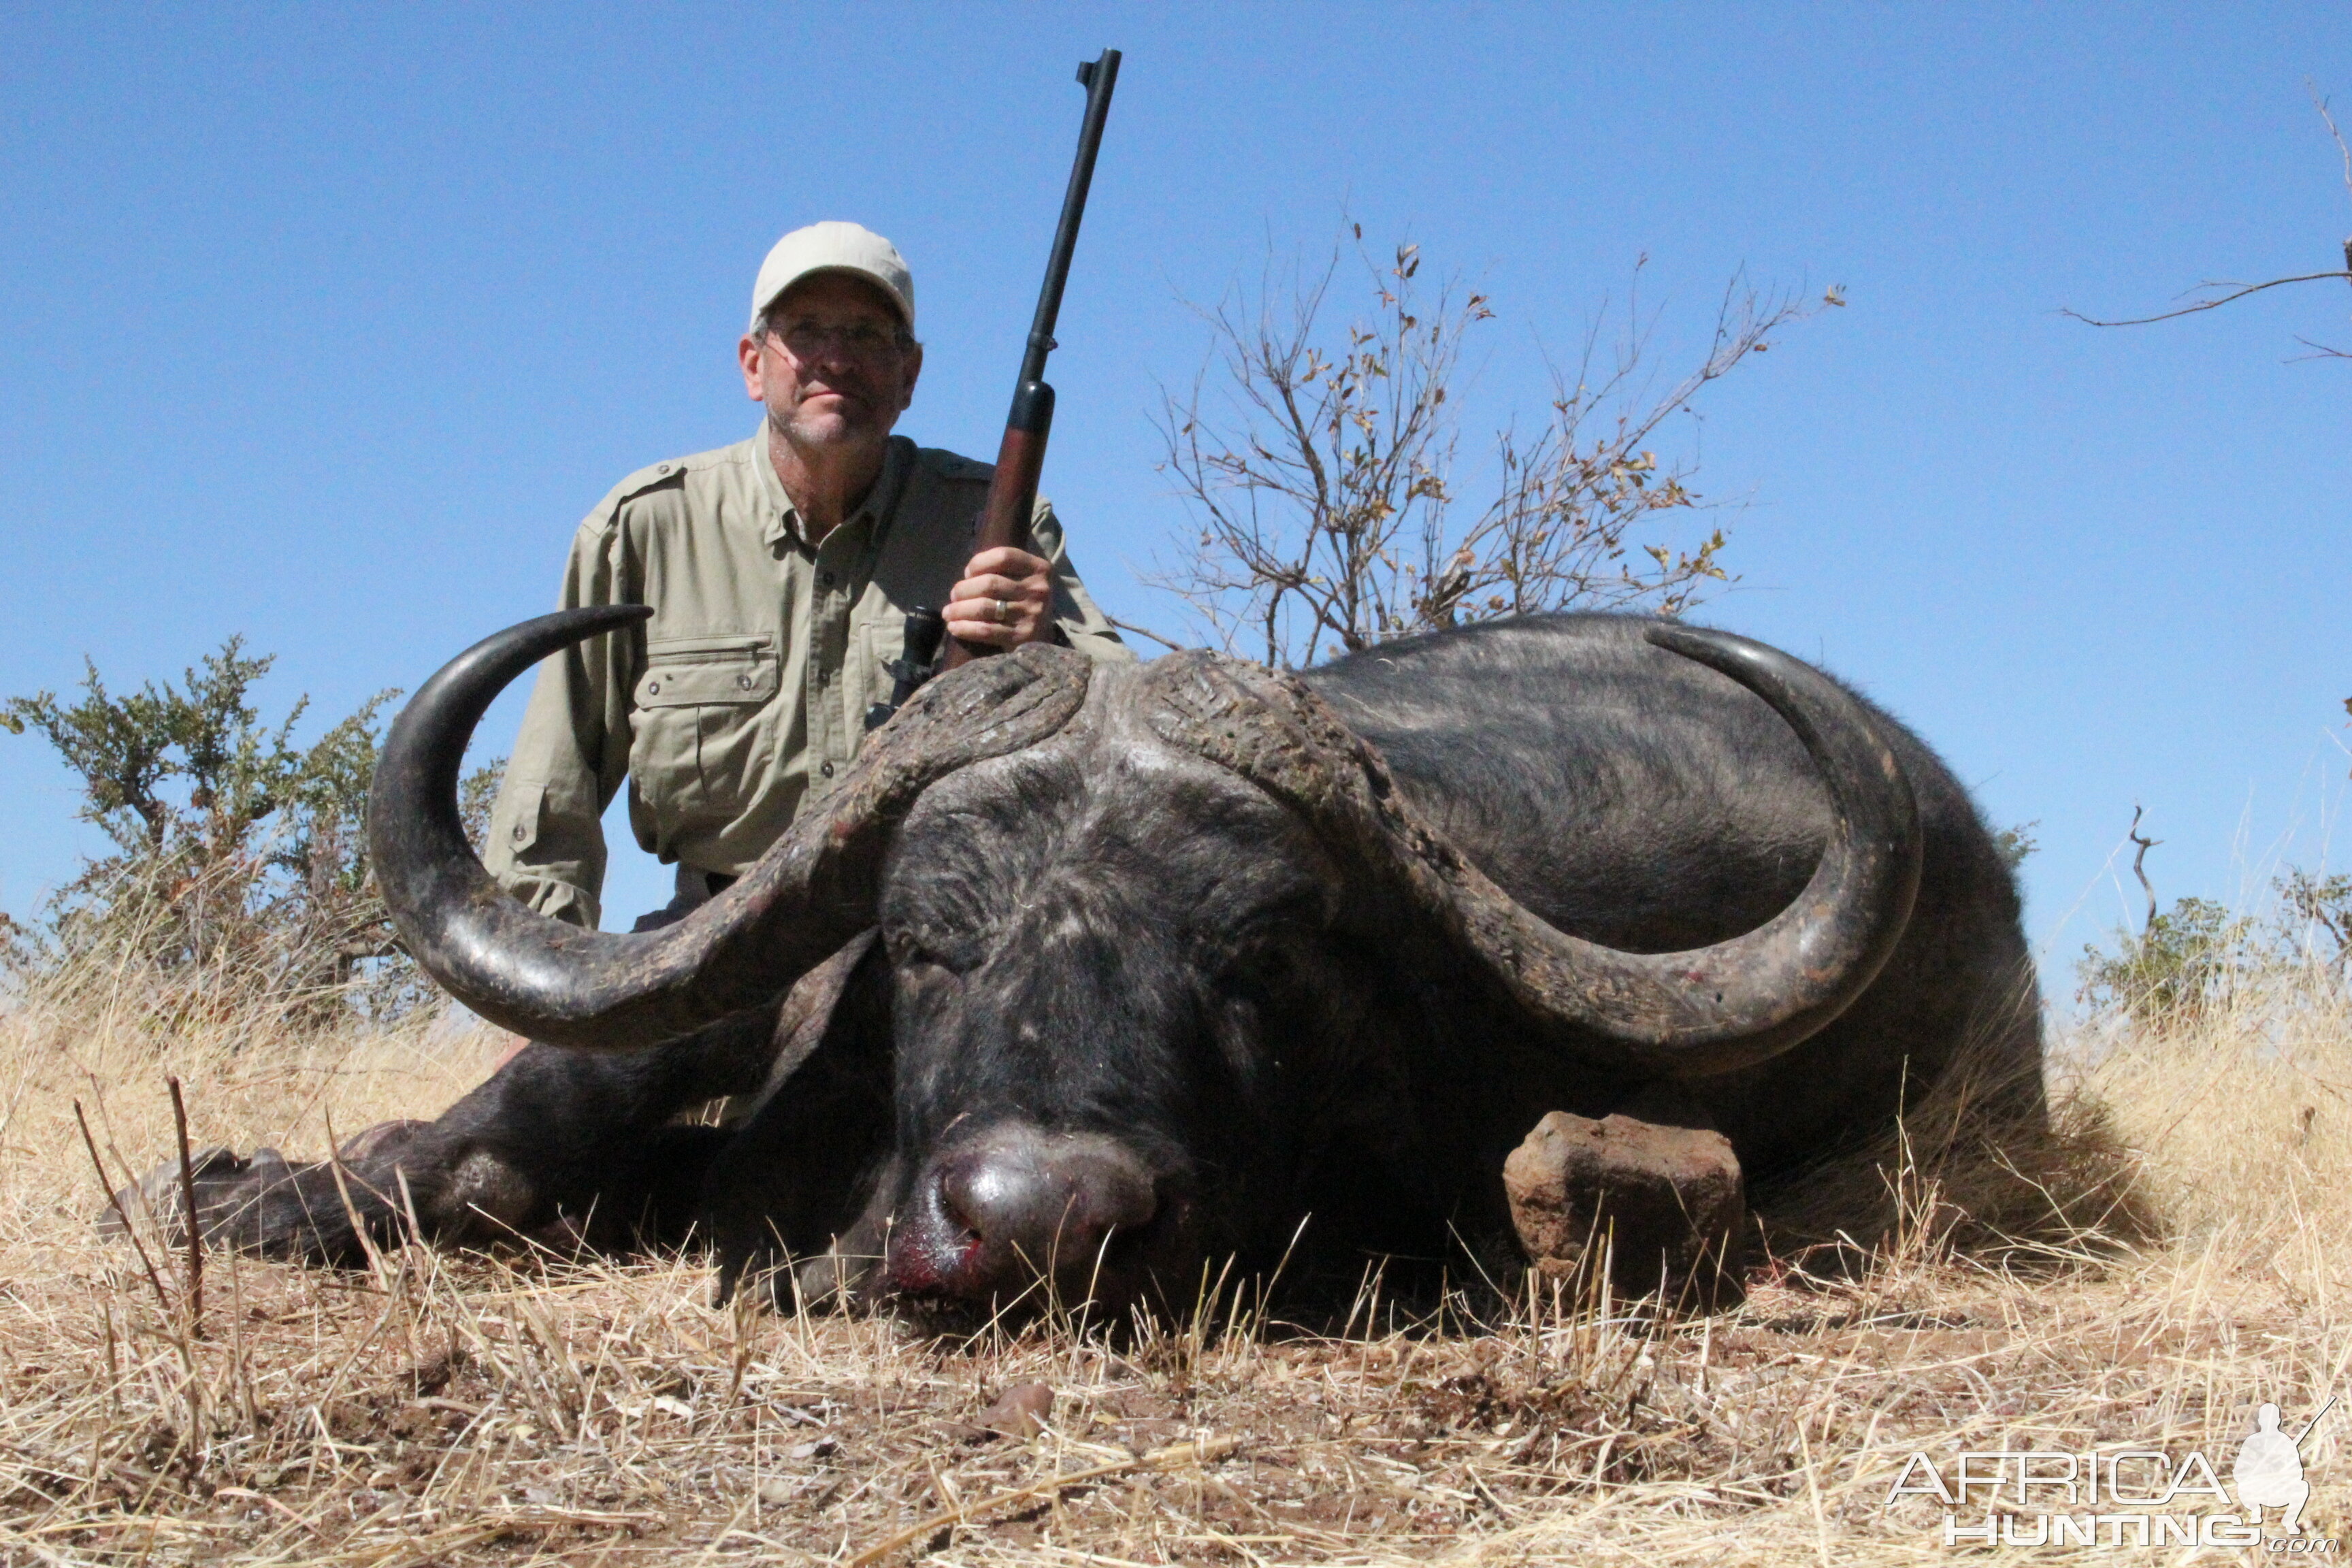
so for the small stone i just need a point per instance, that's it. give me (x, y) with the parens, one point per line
(1020, 1411)
(823, 1447)
(1667, 1206)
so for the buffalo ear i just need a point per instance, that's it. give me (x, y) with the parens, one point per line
(809, 1006)
(796, 1173)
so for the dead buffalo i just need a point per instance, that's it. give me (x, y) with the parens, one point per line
(1092, 975)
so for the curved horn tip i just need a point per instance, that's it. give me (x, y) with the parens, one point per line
(561, 629)
(1708, 646)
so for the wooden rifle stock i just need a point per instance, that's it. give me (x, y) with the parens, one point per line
(1021, 457)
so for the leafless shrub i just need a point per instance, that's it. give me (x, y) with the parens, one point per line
(1321, 466)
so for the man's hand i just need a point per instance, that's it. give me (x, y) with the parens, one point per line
(1004, 600)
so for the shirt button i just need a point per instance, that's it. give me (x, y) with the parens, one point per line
(744, 681)
(827, 579)
(653, 687)
(826, 770)
(520, 832)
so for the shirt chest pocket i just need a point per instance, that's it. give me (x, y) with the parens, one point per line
(705, 705)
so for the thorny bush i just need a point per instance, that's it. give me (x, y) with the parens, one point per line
(239, 869)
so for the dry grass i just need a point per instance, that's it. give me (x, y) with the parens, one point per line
(2172, 1255)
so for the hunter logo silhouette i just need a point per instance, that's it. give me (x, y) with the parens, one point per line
(2269, 1471)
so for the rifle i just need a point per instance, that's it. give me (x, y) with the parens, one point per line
(1012, 493)
(925, 626)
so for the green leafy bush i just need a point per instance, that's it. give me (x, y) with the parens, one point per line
(2179, 967)
(240, 866)
(2190, 961)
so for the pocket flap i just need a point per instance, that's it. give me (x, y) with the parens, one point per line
(694, 672)
(717, 645)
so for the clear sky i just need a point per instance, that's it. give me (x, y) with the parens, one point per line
(327, 325)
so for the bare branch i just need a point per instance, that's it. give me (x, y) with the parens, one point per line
(2139, 862)
(1168, 642)
(2240, 293)
(2320, 104)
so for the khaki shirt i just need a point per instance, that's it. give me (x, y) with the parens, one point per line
(745, 695)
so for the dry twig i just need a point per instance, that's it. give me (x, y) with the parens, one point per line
(188, 1213)
(1176, 1456)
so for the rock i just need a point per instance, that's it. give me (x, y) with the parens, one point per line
(1665, 1206)
(1020, 1411)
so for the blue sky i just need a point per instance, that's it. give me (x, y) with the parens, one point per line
(329, 323)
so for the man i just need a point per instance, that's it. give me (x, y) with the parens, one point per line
(780, 571)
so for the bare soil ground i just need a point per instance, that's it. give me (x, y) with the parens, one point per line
(2174, 1254)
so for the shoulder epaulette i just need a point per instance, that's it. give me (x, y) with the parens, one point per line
(670, 473)
(645, 481)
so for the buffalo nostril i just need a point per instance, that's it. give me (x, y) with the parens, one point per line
(973, 1199)
(961, 1208)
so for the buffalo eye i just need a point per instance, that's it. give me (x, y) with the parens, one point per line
(909, 951)
(1260, 959)
(1257, 974)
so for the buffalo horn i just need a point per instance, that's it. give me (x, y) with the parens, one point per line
(814, 889)
(1689, 1014)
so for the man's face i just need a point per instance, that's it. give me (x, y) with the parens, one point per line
(830, 368)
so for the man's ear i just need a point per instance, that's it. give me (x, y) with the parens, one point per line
(755, 384)
(914, 373)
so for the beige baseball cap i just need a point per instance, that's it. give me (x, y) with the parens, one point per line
(835, 247)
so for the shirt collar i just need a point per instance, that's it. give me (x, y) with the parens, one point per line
(784, 519)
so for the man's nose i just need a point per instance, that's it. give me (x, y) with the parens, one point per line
(833, 354)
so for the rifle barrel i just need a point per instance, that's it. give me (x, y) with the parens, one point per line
(1099, 76)
(1021, 458)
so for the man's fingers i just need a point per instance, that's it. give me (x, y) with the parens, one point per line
(1006, 562)
(1004, 600)
(997, 611)
(1033, 590)
(988, 633)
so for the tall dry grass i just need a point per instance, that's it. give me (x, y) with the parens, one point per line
(2173, 1252)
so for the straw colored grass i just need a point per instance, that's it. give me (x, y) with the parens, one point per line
(2172, 1252)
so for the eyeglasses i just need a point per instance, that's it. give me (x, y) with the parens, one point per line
(862, 340)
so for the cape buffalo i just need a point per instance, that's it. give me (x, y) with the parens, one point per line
(1098, 973)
